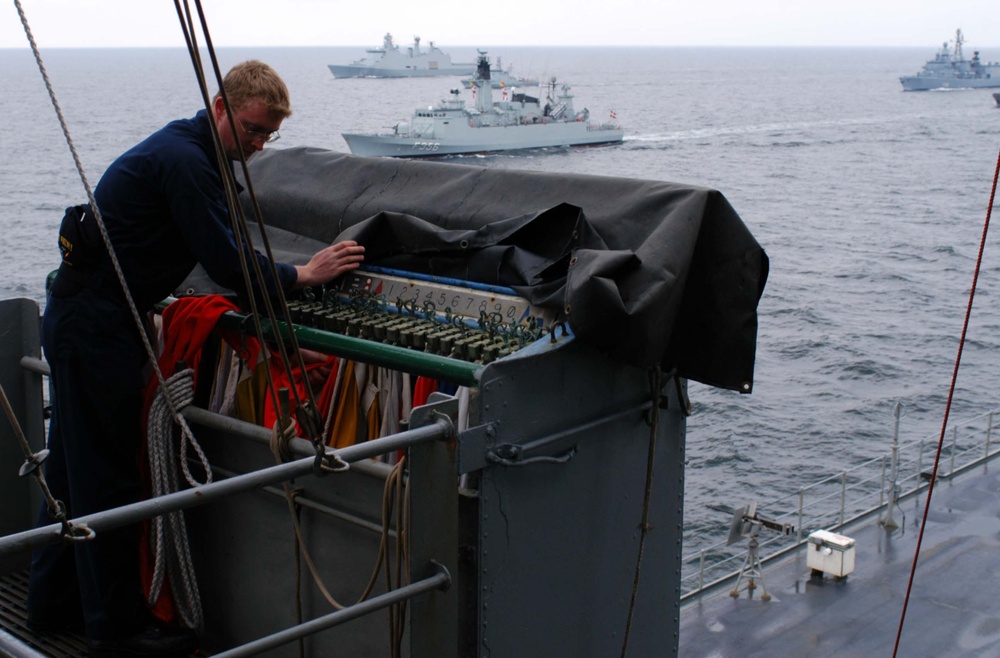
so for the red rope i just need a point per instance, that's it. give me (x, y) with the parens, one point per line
(947, 409)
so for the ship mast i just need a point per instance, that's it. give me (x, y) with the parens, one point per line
(958, 57)
(482, 84)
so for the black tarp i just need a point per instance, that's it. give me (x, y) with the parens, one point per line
(646, 272)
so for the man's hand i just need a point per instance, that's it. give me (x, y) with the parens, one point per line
(330, 263)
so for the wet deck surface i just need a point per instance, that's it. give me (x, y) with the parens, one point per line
(954, 606)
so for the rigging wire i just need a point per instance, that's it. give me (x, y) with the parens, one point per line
(33, 465)
(947, 409)
(306, 410)
(238, 227)
(308, 417)
(100, 223)
(655, 384)
(284, 426)
(308, 407)
(150, 352)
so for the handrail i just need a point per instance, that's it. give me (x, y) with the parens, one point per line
(862, 482)
(146, 509)
(440, 580)
(433, 426)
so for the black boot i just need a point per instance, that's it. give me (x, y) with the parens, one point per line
(154, 641)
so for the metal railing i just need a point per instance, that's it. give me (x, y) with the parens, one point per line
(430, 424)
(850, 495)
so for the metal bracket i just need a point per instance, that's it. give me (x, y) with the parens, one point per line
(509, 454)
(438, 406)
(473, 444)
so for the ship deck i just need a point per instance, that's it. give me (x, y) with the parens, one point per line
(950, 611)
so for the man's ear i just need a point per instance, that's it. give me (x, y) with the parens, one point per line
(218, 107)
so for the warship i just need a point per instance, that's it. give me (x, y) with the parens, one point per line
(950, 70)
(501, 78)
(520, 122)
(390, 62)
(539, 556)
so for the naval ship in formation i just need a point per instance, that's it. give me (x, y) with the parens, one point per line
(501, 77)
(950, 70)
(390, 62)
(522, 122)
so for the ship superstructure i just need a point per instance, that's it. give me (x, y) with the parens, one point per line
(390, 61)
(517, 121)
(950, 70)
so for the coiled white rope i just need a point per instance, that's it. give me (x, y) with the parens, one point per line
(173, 558)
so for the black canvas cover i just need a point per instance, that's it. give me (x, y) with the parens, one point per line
(648, 272)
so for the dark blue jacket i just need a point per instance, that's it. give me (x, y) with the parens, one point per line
(165, 209)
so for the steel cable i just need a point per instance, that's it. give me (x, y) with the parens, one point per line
(656, 383)
(947, 409)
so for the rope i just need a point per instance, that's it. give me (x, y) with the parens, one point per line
(165, 408)
(395, 498)
(173, 559)
(644, 527)
(306, 410)
(280, 442)
(33, 465)
(186, 20)
(394, 495)
(278, 437)
(150, 353)
(947, 409)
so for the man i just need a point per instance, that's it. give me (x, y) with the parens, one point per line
(165, 209)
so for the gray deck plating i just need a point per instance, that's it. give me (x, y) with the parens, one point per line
(13, 592)
(952, 611)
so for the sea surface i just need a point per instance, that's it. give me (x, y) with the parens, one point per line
(869, 201)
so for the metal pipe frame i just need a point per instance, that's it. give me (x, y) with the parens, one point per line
(440, 580)
(243, 429)
(146, 509)
(301, 501)
(34, 364)
(246, 430)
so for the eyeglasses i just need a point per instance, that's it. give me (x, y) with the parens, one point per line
(263, 135)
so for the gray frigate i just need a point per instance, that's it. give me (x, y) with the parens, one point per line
(517, 121)
(950, 70)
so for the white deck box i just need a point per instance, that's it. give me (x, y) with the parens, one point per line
(830, 553)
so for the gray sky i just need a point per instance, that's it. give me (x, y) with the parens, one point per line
(925, 23)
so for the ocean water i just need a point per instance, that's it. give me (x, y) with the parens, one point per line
(869, 201)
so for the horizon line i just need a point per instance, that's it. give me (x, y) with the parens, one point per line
(509, 45)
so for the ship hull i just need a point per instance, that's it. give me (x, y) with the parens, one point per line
(351, 71)
(926, 83)
(483, 140)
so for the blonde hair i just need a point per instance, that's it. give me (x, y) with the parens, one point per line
(254, 80)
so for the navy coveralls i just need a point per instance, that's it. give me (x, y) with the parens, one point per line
(165, 209)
